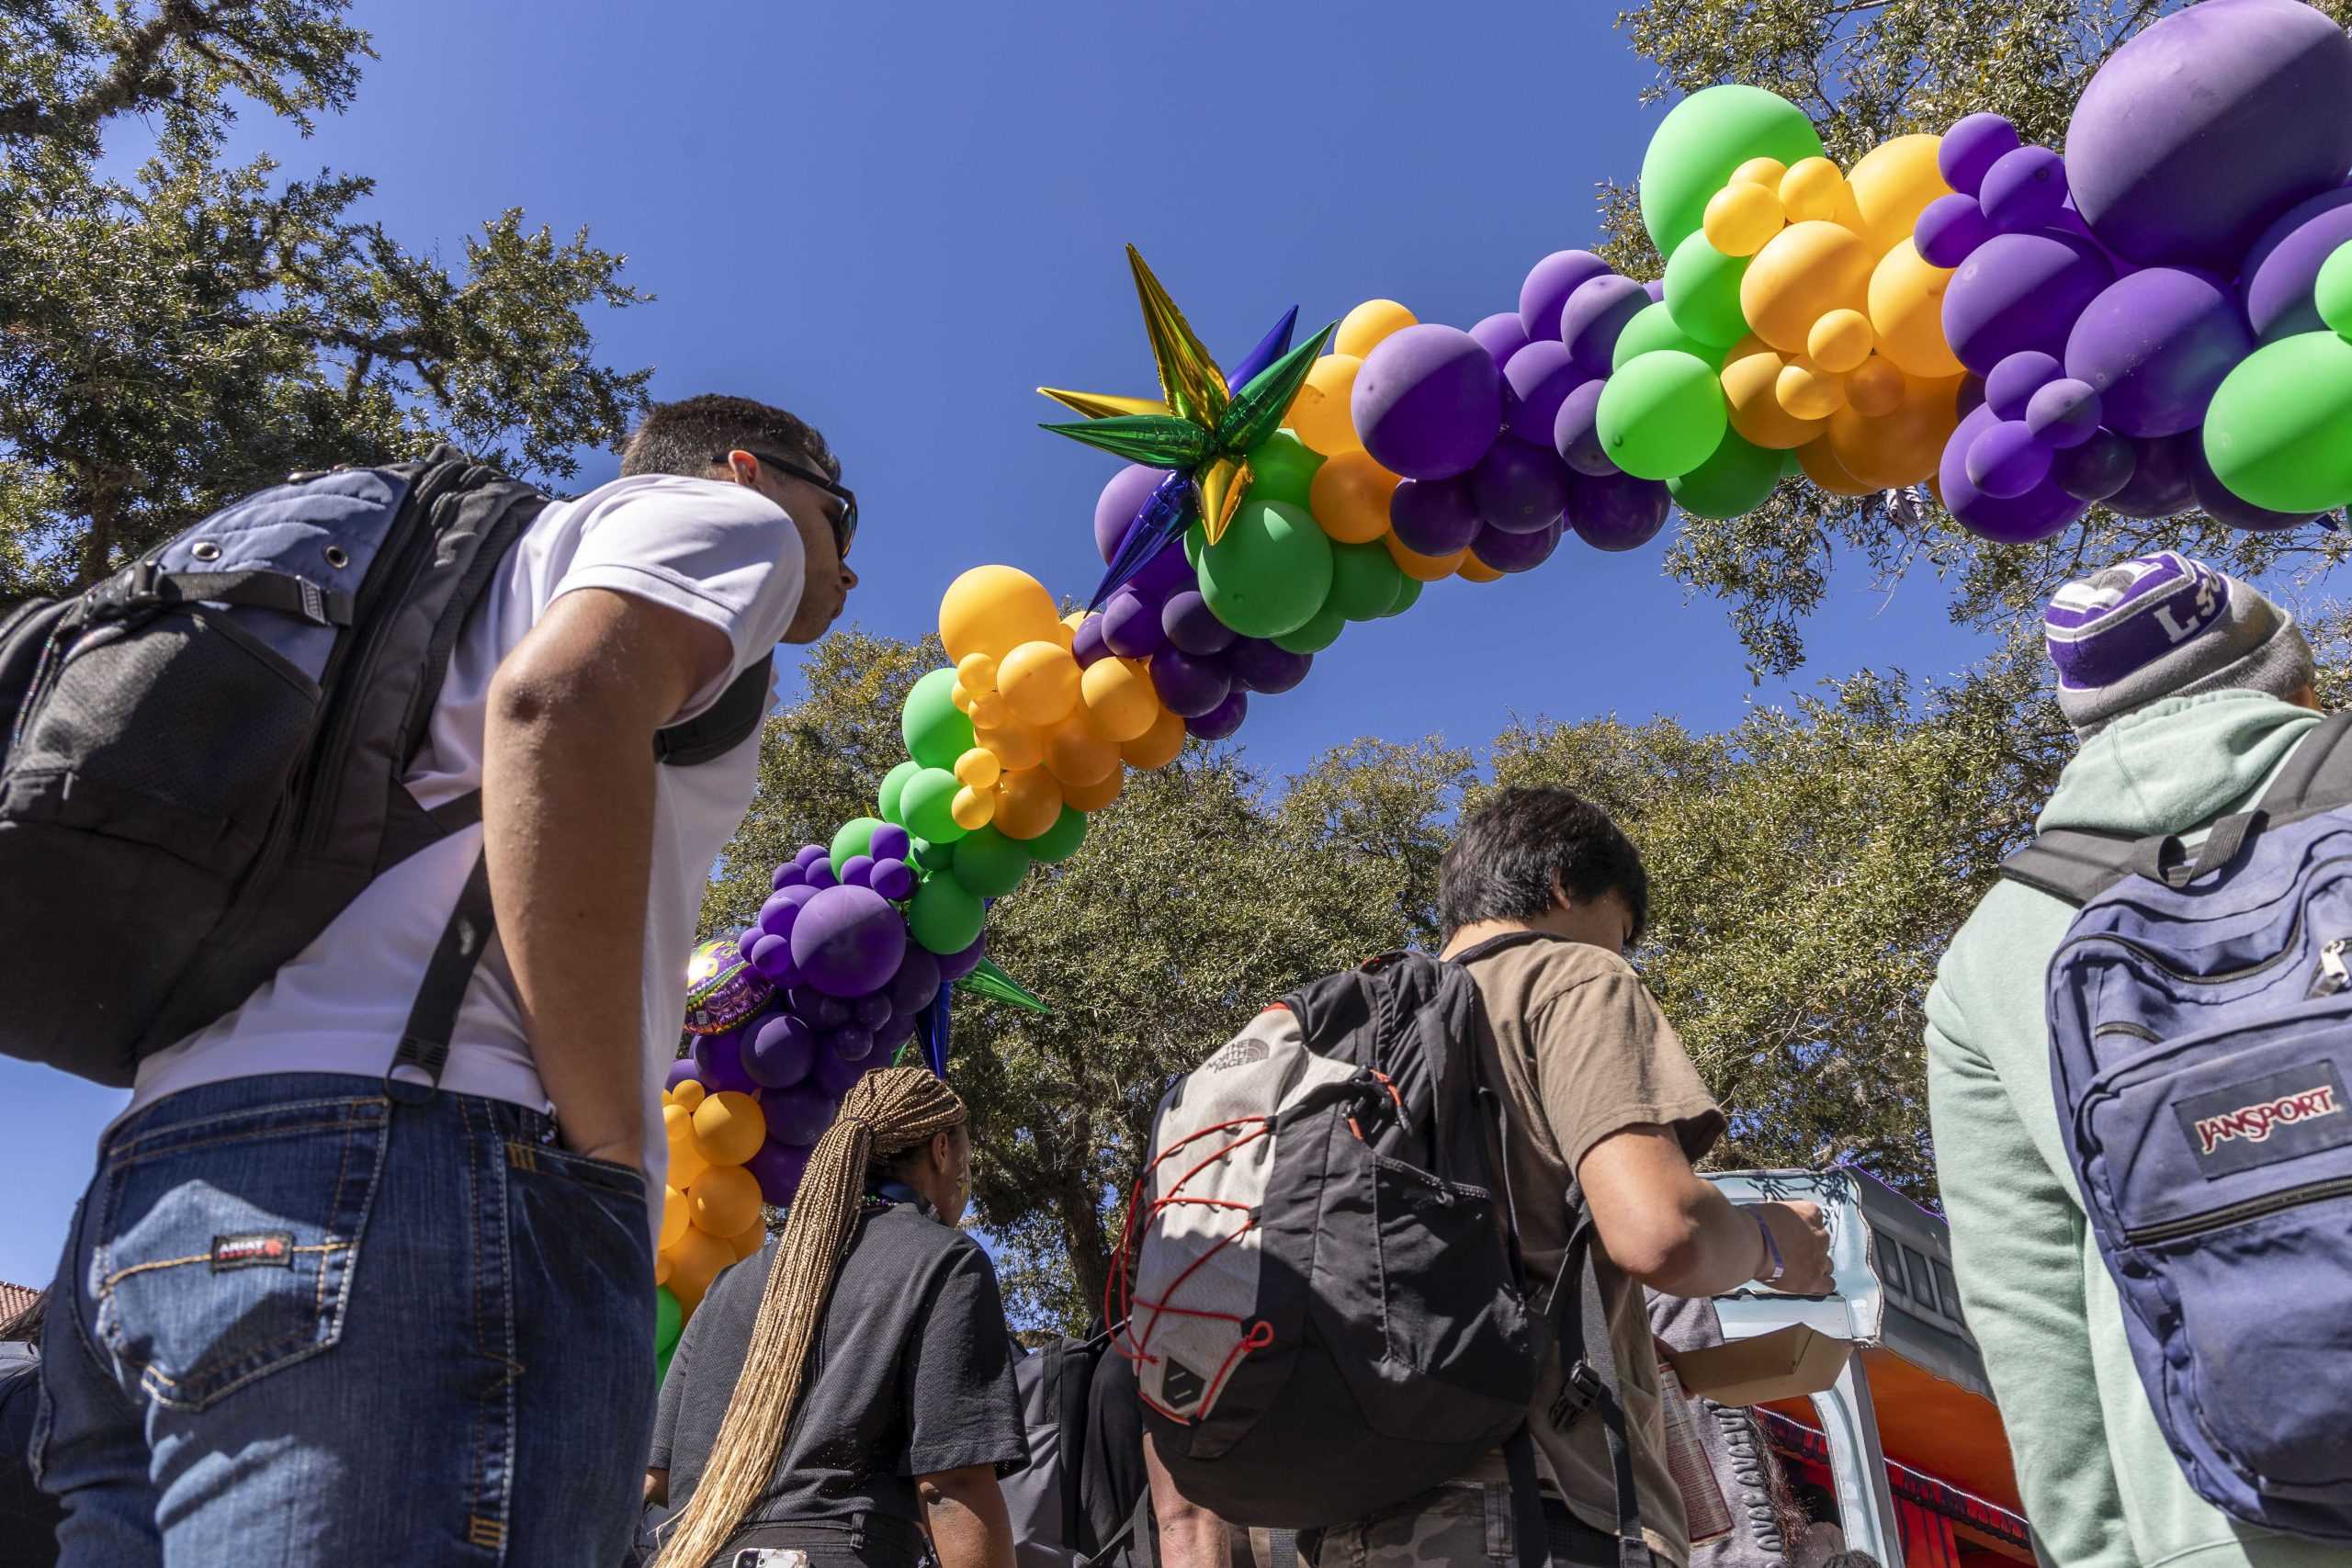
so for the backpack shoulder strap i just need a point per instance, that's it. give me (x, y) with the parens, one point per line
(2317, 776)
(720, 727)
(1073, 1369)
(2072, 864)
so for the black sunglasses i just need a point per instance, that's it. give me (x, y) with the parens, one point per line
(843, 517)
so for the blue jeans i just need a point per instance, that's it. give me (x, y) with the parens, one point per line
(300, 1324)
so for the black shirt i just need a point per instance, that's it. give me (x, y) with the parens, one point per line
(912, 1375)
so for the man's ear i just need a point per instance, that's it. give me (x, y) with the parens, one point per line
(942, 1153)
(1559, 892)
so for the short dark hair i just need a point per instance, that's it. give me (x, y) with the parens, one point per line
(689, 436)
(1503, 862)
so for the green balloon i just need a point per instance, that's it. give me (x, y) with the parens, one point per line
(926, 800)
(1196, 539)
(1283, 469)
(856, 837)
(1733, 481)
(1409, 597)
(936, 732)
(1364, 581)
(1321, 630)
(894, 784)
(925, 856)
(1271, 572)
(1060, 841)
(1653, 330)
(667, 1319)
(2331, 294)
(988, 863)
(2278, 431)
(945, 916)
(1702, 292)
(1661, 415)
(1695, 149)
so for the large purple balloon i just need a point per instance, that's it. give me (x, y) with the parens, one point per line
(778, 1167)
(2156, 346)
(1547, 288)
(1949, 229)
(1501, 336)
(1535, 380)
(955, 965)
(798, 1115)
(2284, 264)
(1190, 686)
(2226, 506)
(2026, 189)
(833, 1076)
(1575, 435)
(1516, 552)
(2020, 291)
(1191, 626)
(2095, 468)
(718, 1063)
(1434, 517)
(1120, 501)
(1428, 402)
(1260, 666)
(1518, 487)
(917, 980)
(2200, 130)
(1221, 720)
(2039, 513)
(1617, 511)
(1593, 317)
(1165, 574)
(1969, 150)
(2162, 481)
(848, 940)
(1131, 626)
(782, 1051)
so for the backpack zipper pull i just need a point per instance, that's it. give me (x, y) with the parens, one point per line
(2334, 972)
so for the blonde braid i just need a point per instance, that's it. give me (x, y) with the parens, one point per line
(886, 1112)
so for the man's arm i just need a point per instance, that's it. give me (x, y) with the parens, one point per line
(568, 827)
(656, 1486)
(1190, 1536)
(964, 1511)
(1668, 1228)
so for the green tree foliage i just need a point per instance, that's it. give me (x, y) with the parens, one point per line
(175, 336)
(1867, 70)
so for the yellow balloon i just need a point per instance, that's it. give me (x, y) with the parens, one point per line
(1120, 701)
(1751, 393)
(973, 810)
(694, 1263)
(1893, 184)
(1039, 681)
(1821, 466)
(1808, 270)
(1475, 570)
(1875, 389)
(1419, 566)
(674, 1215)
(1095, 796)
(725, 1199)
(729, 1128)
(1906, 307)
(960, 697)
(1808, 391)
(1319, 415)
(1902, 446)
(1028, 802)
(1076, 755)
(979, 768)
(687, 1158)
(1156, 747)
(688, 1094)
(1813, 191)
(993, 610)
(988, 711)
(1767, 171)
(1075, 619)
(1362, 329)
(1839, 341)
(748, 1241)
(1348, 497)
(1065, 635)
(1742, 219)
(660, 1267)
(1016, 745)
(976, 673)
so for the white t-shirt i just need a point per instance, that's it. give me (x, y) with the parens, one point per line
(716, 552)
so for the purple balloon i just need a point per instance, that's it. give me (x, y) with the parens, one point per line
(2156, 346)
(848, 940)
(895, 1034)
(1191, 626)
(858, 871)
(1655, 289)
(1117, 505)
(1970, 396)
(1434, 517)
(850, 1042)
(1131, 626)
(1971, 148)
(2006, 460)
(718, 1063)
(890, 843)
(2205, 126)
(680, 1071)
(2284, 264)
(821, 874)
(1535, 380)
(1593, 317)
(821, 1011)
(1260, 666)
(2163, 477)
(1501, 336)
(799, 1116)
(1547, 288)
(917, 981)
(1087, 646)
(778, 914)
(2065, 412)
(1520, 487)
(787, 876)
(1190, 686)
(832, 1077)
(1428, 402)
(1575, 435)
(1517, 552)
(1949, 229)
(809, 855)
(870, 1013)
(771, 957)
(778, 1167)
(748, 941)
(2040, 512)
(2226, 505)
(2013, 381)
(893, 878)
(1616, 512)
(2020, 291)
(2097, 468)
(782, 1051)
(955, 965)
(2026, 189)
(1165, 574)
(1221, 720)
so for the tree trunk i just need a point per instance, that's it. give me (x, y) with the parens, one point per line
(97, 545)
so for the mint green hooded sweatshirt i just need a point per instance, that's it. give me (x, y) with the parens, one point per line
(2100, 1486)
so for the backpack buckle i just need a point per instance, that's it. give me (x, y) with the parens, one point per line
(1580, 1392)
(126, 591)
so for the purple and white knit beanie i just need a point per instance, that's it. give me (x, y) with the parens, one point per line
(2163, 625)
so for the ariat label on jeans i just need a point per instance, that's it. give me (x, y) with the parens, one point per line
(2280, 1116)
(255, 1249)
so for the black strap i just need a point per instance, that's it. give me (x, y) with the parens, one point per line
(1530, 1535)
(2319, 775)
(250, 588)
(720, 727)
(1073, 1370)
(1137, 1518)
(2167, 858)
(1591, 1378)
(1478, 950)
(2072, 864)
(425, 1043)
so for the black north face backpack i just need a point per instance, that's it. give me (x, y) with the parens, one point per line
(1330, 1313)
(203, 756)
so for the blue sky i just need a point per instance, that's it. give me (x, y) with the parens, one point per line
(898, 221)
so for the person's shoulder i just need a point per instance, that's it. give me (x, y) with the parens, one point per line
(713, 499)
(1539, 971)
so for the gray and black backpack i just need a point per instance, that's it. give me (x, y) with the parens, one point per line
(204, 756)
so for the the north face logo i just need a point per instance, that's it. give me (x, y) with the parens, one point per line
(2254, 1122)
(1237, 1053)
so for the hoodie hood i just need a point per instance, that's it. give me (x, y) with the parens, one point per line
(2176, 765)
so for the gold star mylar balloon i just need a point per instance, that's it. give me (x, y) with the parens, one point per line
(1196, 427)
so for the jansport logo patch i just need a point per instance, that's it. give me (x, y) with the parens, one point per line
(2280, 1116)
(256, 1249)
(2254, 1121)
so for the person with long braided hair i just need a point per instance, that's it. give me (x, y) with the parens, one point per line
(849, 1396)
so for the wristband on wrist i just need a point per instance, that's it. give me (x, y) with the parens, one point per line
(1777, 1264)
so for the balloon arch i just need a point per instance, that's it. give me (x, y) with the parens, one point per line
(2155, 321)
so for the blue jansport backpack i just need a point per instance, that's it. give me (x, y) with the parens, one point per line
(201, 756)
(2200, 1037)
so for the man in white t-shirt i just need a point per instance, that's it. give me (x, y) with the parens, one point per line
(322, 1323)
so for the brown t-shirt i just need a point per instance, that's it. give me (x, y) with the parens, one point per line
(1583, 1050)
